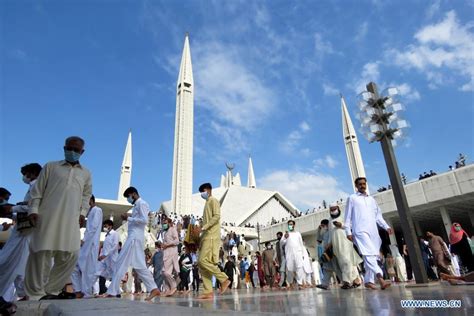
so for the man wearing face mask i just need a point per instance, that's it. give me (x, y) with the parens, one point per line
(59, 198)
(133, 249)
(294, 254)
(344, 252)
(15, 252)
(329, 266)
(108, 254)
(362, 216)
(84, 275)
(269, 264)
(280, 256)
(210, 243)
(170, 256)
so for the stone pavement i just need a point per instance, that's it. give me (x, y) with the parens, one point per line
(257, 302)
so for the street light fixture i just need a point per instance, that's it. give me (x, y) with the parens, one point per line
(381, 121)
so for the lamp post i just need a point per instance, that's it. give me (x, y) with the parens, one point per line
(379, 116)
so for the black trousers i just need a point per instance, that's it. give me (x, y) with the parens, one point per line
(102, 287)
(184, 284)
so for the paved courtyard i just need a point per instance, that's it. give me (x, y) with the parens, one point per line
(257, 302)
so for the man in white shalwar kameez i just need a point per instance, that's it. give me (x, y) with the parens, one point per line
(133, 252)
(307, 268)
(362, 216)
(84, 275)
(347, 258)
(15, 252)
(294, 254)
(399, 263)
(108, 255)
(59, 198)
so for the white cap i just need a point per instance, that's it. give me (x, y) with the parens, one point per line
(333, 204)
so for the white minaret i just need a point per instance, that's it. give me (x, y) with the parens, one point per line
(354, 158)
(181, 190)
(126, 171)
(251, 183)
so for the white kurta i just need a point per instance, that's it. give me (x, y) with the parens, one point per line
(294, 251)
(399, 263)
(344, 251)
(15, 252)
(307, 266)
(133, 252)
(60, 194)
(85, 274)
(110, 251)
(362, 216)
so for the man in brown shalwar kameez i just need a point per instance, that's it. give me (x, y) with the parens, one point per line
(269, 264)
(440, 252)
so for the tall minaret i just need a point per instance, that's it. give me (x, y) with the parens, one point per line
(251, 176)
(354, 158)
(181, 190)
(126, 171)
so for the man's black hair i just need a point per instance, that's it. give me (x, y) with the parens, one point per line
(356, 181)
(129, 191)
(108, 222)
(267, 244)
(325, 222)
(279, 234)
(204, 186)
(292, 221)
(4, 192)
(34, 168)
(93, 198)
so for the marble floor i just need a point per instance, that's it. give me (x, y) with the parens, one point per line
(257, 302)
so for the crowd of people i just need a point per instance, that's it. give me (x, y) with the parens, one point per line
(45, 257)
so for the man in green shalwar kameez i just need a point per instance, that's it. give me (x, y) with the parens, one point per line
(210, 243)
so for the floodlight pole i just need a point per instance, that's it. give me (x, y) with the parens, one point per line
(401, 201)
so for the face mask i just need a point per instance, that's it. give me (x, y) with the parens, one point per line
(26, 180)
(290, 228)
(130, 200)
(165, 226)
(71, 156)
(457, 228)
(205, 195)
(336, 215)
(106, 229)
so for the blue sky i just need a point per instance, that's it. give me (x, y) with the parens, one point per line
(267, 81)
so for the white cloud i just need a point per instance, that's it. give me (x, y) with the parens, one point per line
(433, 9)
(446, 45)
(321, 46)
(304, 189)
(291, 143)
(362, 32)
(328, 89)
(232, 138)
(304, 126)
(370, 72)
(326, 162)
(229, 88)
(407, 92)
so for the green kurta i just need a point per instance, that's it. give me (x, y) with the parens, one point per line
(210, 243)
